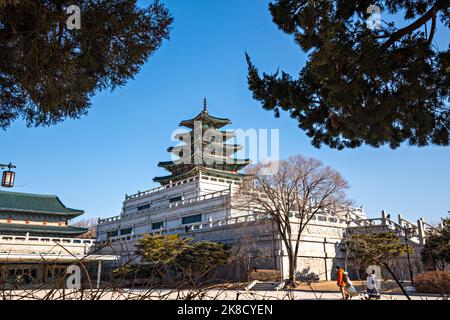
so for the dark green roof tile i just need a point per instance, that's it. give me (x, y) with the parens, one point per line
(35, 203)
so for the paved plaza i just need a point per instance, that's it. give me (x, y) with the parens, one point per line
(128, 294)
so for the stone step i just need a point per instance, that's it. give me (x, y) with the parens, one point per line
(264, 286)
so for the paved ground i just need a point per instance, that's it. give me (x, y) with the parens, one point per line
(185, 294)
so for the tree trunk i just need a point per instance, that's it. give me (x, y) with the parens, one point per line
(396, 280)
(292, 267)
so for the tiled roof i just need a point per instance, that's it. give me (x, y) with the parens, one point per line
(206, 118)
(187, 164)
(35, 203)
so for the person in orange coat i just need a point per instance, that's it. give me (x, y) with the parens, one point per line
(341, 282)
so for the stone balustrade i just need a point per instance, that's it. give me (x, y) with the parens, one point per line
(14, 244)
(416, 233)
(429, 229)
(177, 204)
(205, 225)
(21, 239)
(158, 189)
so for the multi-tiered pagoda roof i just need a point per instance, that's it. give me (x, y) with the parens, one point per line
(204, 150)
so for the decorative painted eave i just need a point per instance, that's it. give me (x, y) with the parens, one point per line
(178, 171)
(8, 228)
(195, 170)
(227, 149)
(226, 135)
(235, 147)
(210, 159)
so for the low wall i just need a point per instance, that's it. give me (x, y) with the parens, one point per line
(259, 240)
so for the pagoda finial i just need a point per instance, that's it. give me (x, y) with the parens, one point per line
(204, 105)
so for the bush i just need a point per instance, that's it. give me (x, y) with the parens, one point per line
(433, 282)
(307, 276)
(171, 261)
(265, 275)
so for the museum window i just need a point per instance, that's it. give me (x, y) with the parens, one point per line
(157, 225)
(111, 234)
(126, 231)
(145, 207)
(192, 219)
(176, 199)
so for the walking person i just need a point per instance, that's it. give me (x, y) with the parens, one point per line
(341, 282)
(372, 286)
(351, 290)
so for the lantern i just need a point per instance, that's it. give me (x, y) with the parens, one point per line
(8, 179)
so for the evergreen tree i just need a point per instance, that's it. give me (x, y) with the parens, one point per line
(382, 86)
(171, 260)
(373, 248)
(49, 72)
(436, 251)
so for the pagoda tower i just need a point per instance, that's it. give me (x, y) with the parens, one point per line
(204, 151)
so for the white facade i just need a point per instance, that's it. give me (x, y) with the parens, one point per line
(201, 198)
(168, 209)
(200, 207)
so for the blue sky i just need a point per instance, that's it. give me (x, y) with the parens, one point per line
(91, 163)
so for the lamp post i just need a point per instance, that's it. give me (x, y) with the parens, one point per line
(409, 232)
(8, 176)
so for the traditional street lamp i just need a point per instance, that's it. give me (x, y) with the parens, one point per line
(409, 233)
(8, 175)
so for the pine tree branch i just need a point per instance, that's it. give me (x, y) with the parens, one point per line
(433, 27)
(413, 26)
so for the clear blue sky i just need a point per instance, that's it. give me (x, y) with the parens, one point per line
(93, 162)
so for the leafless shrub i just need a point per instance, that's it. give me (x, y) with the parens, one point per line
(90, 224)
(433, 282)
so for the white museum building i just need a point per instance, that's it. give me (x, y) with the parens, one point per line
(195, 200)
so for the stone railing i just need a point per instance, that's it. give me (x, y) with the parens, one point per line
(430, 229)
(412, 227)
(416, 233)
(177, 204)
(373, 222)
(206, 225)
(21, 239)
(14, 244)
(158, 189)
(193, 227)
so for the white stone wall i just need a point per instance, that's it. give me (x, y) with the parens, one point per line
(200, 195)
(210, 209)
(318, 249)
(203, 195)
(212, 184)
(161, 197)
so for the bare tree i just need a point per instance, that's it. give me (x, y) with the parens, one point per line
(291, 196)
(90, 224)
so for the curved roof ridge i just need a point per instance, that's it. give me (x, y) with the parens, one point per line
(35, 203)
(30, 194)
